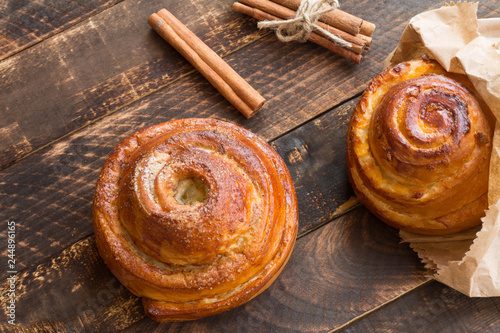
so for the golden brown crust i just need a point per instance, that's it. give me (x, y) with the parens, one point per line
(196, 216)
(418, 149)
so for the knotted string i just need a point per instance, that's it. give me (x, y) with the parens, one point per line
(300, 27)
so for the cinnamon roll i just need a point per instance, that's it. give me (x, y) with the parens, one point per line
(418, 149)
(196, 216)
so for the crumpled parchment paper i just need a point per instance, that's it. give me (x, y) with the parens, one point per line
(468, 261)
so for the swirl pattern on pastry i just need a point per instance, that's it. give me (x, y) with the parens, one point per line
(418, 149)
(196, 216)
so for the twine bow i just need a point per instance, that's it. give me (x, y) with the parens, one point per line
(300, 27)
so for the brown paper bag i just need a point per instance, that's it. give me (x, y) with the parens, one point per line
(453, 35)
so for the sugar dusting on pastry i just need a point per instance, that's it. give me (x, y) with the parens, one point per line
(196, 216)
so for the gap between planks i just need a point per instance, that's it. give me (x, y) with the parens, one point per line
(375, 309)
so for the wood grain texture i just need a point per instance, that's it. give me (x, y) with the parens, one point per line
(49, 195)
(84, 72)
(315, 155)
(100, 65)
(24, 23)
(342, 270)
(72, 292)
(433, 308)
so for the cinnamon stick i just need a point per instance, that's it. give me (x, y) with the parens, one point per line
(231, 85)
(357, 44)
(367, 28)
(337, 19)
(366, 39)
(313, 37)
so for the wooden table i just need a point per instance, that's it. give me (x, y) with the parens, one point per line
(76, 78)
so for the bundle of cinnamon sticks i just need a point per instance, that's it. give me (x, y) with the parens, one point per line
(352, 29)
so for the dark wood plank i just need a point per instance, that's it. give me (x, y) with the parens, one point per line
(73, 292)
(24, 23)
(100, 65)
(433, 308)
(287, 145)
(49, 193)
(315, 156)
(336, 273)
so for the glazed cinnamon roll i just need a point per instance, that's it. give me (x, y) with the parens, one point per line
(418, 149)
(196, 216)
